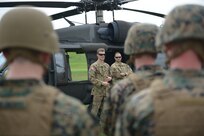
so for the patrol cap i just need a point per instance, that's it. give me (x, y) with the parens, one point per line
(141, 39)
(183, 22)
(26, 27)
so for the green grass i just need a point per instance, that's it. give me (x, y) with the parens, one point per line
(78, 66)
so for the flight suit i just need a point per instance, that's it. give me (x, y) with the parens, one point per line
(29, 107)
(169, 107)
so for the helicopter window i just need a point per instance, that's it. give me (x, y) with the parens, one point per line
(3, 66)
(60, 67)
(2, 60)
(78, 65)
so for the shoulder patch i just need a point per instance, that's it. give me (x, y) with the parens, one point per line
(93, 68)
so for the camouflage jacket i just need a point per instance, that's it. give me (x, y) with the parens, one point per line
(68, 117)
(98, 73)
(142, 111)
(121, 91)
(117, 68)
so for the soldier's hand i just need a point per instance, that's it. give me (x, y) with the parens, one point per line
(105, 83)
(108, 78)
(123, 74)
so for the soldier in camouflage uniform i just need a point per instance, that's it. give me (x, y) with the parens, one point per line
(140, 44)
(29, 107)
(99, 75)
(119, 70)
(173, 106)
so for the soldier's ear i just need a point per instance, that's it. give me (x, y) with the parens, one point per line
(6, 53)
(45, 58)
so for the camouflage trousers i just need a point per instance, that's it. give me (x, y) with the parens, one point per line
(97, 105)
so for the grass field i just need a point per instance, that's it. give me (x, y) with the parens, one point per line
(78, 66)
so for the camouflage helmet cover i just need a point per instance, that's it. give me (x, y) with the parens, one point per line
(141, 39)
(183, 22)
(26, 27)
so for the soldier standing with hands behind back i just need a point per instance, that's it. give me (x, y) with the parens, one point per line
(173, 106)
(140, 44)
(99, 75)
(29, 107)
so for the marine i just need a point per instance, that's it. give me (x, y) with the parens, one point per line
(29, 107)
(140, 44)
(173, 106)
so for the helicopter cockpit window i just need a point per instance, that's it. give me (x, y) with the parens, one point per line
(78, 65)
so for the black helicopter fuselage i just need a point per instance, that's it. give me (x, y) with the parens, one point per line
(86, 39)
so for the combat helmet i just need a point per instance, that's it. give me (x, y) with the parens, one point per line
(183, 22)
(26, 27)
(141, 39)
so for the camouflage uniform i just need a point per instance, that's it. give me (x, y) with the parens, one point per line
(28, 106)
(121, 91)
(117, 68)
(172, 106)
(97, 74)
(66, 116)
(143, 110)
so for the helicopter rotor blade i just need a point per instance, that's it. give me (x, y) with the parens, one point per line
(143, 11)
(48, 4)
(120, 2)
(72, 12)
(80, 7)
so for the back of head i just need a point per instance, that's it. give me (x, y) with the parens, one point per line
(141, 39)
(26, 27)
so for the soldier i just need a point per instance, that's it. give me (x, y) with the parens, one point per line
(119, 70)
(140, 44)
(27, 105)
(99, 75)
(173, 106)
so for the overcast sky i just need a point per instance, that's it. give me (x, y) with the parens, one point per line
(159, 6)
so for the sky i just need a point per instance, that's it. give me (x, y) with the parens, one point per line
(159, 6)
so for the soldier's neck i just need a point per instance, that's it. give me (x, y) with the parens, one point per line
(24, 69)
(186, 61)
(100, 61)
(143, 61)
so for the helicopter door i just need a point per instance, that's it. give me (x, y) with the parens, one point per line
(74, 70)
(61, 68)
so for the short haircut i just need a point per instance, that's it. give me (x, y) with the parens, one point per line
(100, 50)
(117, 53)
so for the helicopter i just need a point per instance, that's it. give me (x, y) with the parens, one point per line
(84, 39)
